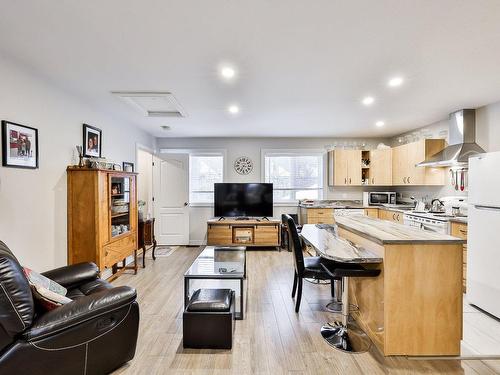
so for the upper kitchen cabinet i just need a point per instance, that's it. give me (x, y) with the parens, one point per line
(380, 167)
(344, 168)
(405, 157)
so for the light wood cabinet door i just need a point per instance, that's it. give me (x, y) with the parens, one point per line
(399, 165)
(381, 167)
(372, 212)
(344, 168)
(354, 167)
(416, 154)
(340, 167)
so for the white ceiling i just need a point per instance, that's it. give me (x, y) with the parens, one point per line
(303, 66)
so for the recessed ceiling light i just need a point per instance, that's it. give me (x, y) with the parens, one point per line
(233, 109)
(368, 100)
(227, 72)
(380, 123)
(395, 82)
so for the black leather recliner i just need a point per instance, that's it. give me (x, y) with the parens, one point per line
(94, 334)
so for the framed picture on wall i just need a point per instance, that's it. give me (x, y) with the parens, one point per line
(128, 167)
(19, 145)
(92, 141)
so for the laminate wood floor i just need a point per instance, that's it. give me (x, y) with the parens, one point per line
(271, 340)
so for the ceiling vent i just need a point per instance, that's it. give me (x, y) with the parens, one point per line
(152, 103)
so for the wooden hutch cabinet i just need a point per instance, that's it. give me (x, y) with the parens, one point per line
(102, 217)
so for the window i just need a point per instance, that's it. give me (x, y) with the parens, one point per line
(204, 171)
(295, 175)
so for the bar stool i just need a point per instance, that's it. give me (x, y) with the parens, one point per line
(341, 335)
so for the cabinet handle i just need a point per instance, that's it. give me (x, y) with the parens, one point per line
(463, 231)
(394, 217)
(349, 179)
(373, 180)
(345, 180)
(398, 217)
(408, 179)
(404, 180)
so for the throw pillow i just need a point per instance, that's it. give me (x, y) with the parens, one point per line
(47, 292)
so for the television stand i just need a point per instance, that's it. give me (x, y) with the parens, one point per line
(250, 232)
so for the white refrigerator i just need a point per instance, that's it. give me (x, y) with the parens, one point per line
(483, 238)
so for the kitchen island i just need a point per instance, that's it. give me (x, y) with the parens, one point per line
(415, 306)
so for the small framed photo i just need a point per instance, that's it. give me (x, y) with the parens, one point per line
(92, 141)
(128, 167)
(19, 146)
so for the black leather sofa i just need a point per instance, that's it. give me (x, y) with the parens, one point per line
(94, 334)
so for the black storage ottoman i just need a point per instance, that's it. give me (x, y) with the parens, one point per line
(208, 320)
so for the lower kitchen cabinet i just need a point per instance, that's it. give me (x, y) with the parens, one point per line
(391, 215)
(460, 230)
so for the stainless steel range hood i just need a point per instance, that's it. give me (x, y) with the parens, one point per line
(462, 142)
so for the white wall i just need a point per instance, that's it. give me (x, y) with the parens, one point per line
(33, 202)
(488, 127)
(252, 148)
(144, 167)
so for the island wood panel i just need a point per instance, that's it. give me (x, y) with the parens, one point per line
(423, 299)
(414, 307)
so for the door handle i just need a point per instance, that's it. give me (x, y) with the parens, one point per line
(186, 204)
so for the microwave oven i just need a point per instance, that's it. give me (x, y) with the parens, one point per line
(378, 198)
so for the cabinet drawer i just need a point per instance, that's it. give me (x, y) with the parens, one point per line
(459, 230)
(319, 212)
(219, 235)
(119, 249)
(320, 220)
(266, 235)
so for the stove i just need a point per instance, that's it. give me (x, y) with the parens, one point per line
(433, 222)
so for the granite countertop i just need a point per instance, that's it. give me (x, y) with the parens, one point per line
(328, 245)
(334, 204)
(386, 232)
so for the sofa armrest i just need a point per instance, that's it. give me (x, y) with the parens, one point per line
(73, 275)
(79, 311)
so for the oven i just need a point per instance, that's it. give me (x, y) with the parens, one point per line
(378, 198)
(426, 223)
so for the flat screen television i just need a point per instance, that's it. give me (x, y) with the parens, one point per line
(243, 200)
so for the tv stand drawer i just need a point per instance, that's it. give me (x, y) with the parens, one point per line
(219, 235)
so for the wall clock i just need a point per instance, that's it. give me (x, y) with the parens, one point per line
(243, 165)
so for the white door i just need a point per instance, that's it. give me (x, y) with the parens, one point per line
(171, 199)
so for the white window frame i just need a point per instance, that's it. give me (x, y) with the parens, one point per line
(199, 152)
(293, 152)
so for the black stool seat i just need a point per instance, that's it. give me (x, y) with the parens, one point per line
(349, 270)
(210, 300)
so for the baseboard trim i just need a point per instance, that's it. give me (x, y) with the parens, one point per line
(196, 242)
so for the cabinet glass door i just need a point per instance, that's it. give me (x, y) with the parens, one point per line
(120, 205)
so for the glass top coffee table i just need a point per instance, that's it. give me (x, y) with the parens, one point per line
(225, 264)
